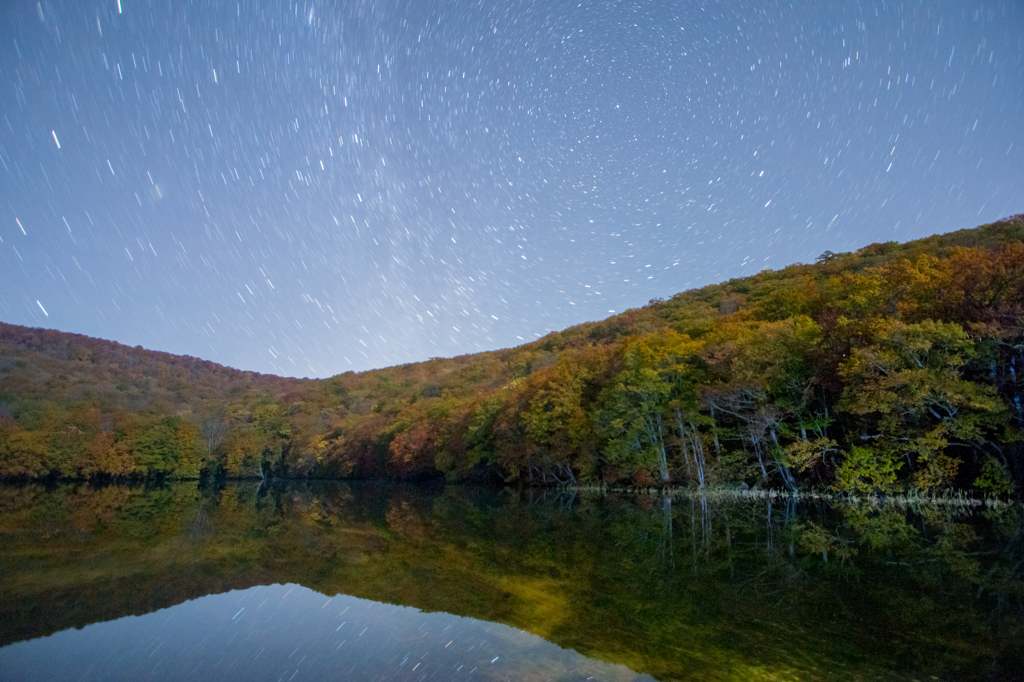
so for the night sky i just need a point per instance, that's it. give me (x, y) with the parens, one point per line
(315, 187)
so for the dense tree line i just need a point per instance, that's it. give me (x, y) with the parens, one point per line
(898, 366)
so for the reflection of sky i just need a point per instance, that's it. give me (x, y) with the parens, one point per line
(288, 632)
(312, 187)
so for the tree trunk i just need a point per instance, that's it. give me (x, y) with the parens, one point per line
(714, 430)
(682, 443)
(663, 460)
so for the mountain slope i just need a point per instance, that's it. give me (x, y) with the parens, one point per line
(896, 366)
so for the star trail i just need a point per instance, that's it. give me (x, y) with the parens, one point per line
(307, 188)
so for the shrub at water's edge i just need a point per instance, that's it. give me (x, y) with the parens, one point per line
(898, 367)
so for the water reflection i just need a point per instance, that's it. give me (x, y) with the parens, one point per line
(288, 632)
(678, 588)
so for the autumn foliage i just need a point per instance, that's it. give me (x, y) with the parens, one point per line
(895, 367)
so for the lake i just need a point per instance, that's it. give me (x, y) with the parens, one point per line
(404, 582)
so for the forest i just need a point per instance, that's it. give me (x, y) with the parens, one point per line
(893, 369)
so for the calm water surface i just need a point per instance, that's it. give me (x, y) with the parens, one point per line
(386, 582)
(286, 632)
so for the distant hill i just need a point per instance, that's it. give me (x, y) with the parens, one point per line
(897, 366)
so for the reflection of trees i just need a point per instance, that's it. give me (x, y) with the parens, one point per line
(763, 581)
(201, 524)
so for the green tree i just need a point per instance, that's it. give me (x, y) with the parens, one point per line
(654, 380)
(912, 404)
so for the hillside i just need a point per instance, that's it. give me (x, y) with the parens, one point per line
(897, 366)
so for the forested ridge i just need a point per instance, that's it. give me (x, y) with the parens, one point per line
(896, 367)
